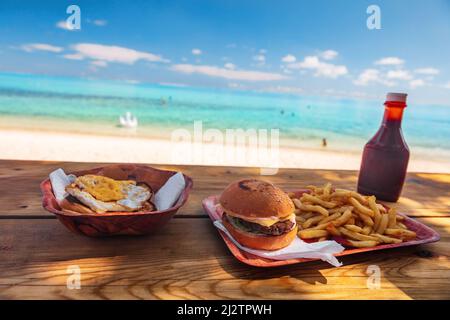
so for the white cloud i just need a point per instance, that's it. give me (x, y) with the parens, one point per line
(212, 71)
(100, 22)
(196, 52)
(73, 56)
(399, 75)
(390, 61)
(63, 25)
(371, 76)
(289, 58)
(427, 71)
(230, 66)
(284, 89)
(416, 83)
(235, 85)
(98, 52)
(447, 85)
(260, 58)
(322, 69)
(329, 54)
(99, 63)
(41, 47)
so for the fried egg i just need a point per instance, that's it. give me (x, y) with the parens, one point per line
(102, 194)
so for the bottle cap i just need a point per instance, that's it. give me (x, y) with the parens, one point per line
(397, 97)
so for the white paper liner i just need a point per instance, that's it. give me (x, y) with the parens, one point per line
(323, 250)
(169, 193)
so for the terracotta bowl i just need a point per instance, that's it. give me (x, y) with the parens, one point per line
(118, 223)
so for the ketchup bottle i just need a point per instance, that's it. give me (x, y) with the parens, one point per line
(386, 155)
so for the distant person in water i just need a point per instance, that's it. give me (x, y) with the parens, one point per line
(324, 142)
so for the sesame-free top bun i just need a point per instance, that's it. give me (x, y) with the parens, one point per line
(256, 199)
(258, 241)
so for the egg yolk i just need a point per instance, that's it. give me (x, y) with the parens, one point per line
(103, 188)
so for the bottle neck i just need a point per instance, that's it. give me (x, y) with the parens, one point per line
(393, 114)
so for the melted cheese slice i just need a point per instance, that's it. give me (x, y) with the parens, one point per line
(265, 222)
(103, 188)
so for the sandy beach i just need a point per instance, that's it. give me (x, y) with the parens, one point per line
(58, 146)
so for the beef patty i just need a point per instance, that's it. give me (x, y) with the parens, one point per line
(275, 230)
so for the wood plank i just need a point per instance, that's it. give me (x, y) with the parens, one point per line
(187, 259)
(424, 194)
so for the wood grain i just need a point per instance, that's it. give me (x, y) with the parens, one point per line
(188, 260)
(423, 195)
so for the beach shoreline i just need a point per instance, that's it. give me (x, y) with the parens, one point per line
(19, 144)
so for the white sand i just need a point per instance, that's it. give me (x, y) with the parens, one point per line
(36, 145)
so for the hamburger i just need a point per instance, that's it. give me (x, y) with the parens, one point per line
(258, 214)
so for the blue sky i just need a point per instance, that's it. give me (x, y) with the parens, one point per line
(303, 47)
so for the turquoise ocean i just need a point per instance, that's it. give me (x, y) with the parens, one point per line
(93, 106)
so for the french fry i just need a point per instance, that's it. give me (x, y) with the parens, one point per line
(314, 189)
(367, 230)
(297, 203)
(334, 216)
(363, 244)
(353, 228)
(376, 221)
(353, 194)
(311, 233)
(366, 219)
(351, 220)
(342, 219)
(325, 221)
(327, 189)
(340, 209)
(383, 224)
(360, 208)
(308, 215)
(316, 200)
(392, 218)
(386, 239)
(401, 226)
(326, 211)
(376, 210)
(312, 221)
(400, 233)
(331, 228)
(314, 208)
(356, 235)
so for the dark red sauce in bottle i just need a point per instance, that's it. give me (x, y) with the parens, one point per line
(386, 155)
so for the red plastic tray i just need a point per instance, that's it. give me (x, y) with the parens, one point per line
(424, 235)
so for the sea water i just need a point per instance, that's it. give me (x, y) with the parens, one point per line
(42, 102)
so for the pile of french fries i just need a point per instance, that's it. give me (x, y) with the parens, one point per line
(325, 212)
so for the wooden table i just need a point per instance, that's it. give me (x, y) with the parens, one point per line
(188, 260)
